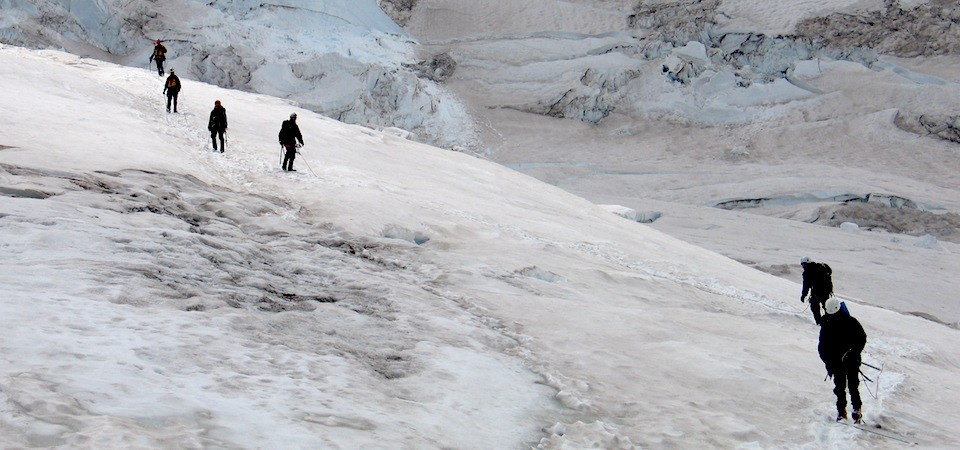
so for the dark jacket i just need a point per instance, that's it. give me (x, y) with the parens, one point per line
(172, 86)
(159, 53)
(841, 340)
(218, 119)
(817, 279)
(290, 133)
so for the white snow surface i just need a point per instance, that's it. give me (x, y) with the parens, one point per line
(572, 101)
(393, 295)
(343, 58)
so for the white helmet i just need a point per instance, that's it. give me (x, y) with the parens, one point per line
(832, 306)
(805, 260)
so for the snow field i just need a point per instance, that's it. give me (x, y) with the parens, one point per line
(312, 319)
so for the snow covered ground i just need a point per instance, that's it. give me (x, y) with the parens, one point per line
(391, 295)
(571, 93)
(343, 58)
(386, 295)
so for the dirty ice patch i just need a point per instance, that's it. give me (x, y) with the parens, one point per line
(399, 132)
(693, 51)
(766, 94)
(780, 17)
(715, 98)
(632, 214)
(541, 274)
(405, 234)
(915, 77)
(928, 241)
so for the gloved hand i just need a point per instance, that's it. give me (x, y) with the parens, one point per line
(830, 370)
(802, 299)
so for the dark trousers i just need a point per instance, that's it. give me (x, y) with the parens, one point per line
(849, 376)
(160, 67)
(213, 137)
(172, 96)
(288, 156)
(816, 305)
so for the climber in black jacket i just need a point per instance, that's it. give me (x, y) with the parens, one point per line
(841, 340)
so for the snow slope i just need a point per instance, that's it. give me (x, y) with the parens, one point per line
(345, 59)
(673, 108)
(387, 295)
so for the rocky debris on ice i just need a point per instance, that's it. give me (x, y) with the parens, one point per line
(438, 68)
(901, 220)
(592, 98)
(398, 10)
(923, 30)
(942, 126)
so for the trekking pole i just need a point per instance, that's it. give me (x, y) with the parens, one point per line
(872, 367)
(305, 162)
(883, 434)
(876, 395)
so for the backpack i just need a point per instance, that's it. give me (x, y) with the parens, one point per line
(218, 119)
(828, 278)
(159, 51)
(173, 83)
(284, 134)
